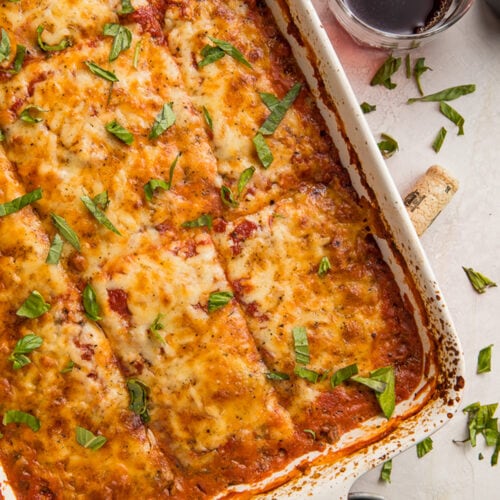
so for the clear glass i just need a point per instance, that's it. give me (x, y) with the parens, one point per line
(367, 35)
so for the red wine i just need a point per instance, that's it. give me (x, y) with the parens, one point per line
(399, 16)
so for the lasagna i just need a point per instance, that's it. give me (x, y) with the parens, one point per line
(191, 296)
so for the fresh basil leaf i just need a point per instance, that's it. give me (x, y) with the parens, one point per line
(137, 52)
(453, 115)
(244, 179)
(163, 121)
(101, 200)
(68, 367)
(120, 132)
(21, 417)
(55, 250)
(4, 45)
(122, 39)
(10, 207)
(216, 300)
(445, 95)
(384, 73)
(66, 232)
(208, 118)
(301, 345)
(152, 184)
(103, 73)
(99, 215)
(270, 100)
(210, 55)
(88, 440)
(27, 116)
(484, 360)
(479, 282)
(63, 44)
(263, 152)
(311, 433)
(367, 108)
(306, 374)
(230, 50)
(277, 376)
(418, 70)
(204, 220)
(388, 145)
(278, 111)
(494, 457)
(324, 266)
(424, 447)
(343, 374)
(34, 306)
(386, 398)
(90, 303)
(24, 346)
(385, 471)
(479, 419)
(126, 7)
(18, 60)
(156, 326)
(139, 393)
(438, 141)
(375, 385)
(227, 197)
(408, 66)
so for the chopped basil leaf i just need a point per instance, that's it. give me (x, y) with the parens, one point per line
(446, 94)
(484, 360)
(263, 152)
(66, 232)
(152, 184)
(408, 66)
(34, 306)
(230, 50)
(90, 303)
(210, 55)
(453, 115)
(120, 132)
(18, 59)
(384, 73)
(479, 282)
(480, 421)
(385, 471)
(375, 385)
(388, 146)
(63, 44)
(301, 345)
(244, 179)
(270, 100)
(27, 116)
(21, 417)
(367, 108)
(208, 118)
(424, 447)
(101, 200)
(55, 250)
(343, 374)
(163, 121)
(156, 326)
(24, 346)
(306, 374)
(494, 457)
(126, 7)
(311, 433)
(204, 220)
(438, 141)
(122, 39)
(10, 207)
(227, 197)
(103, 73)
(139, 393)
(216, 300)
(279, 110)
(88, 440)
(387, 398)
(68, 367)
(137, 51)
(418, 70)
(324, 266)
(4, 46)
(99, 215)
(277, 376)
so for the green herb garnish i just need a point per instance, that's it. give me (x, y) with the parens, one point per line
(438, 141)
(484, 360)
(214, 53)
(4, 45)
(419, 69)
(479, 282)
(122, 38)
(63, 44)
(137, 52)
(385, 471)
(101, 200)
(306, 374)
(98, 214)
(343, 374)
(68, 367)
(139, 393)
(65, 230)
(88, 440)
(55, 250)
(21, 417)
(34, 306)
(25, 345)
(387, 398)
(277, 376)
(244, 178)
(90, 303)
(424, 447)
(153, 184)
(126, 7)
(26, 114)
(367, 108)
(18, 60)
(446, 94)
(324, 266)
(155, 328)
(263, 152)
(120, 132)
(103, 73)
(388, 145)
(453, 115)
(204, 220)
(384, 73)
(10, 207)
(163, 121)
(311, 433)
(216, 300)
(208, 118)
(301, 345)
(375, 385)
(227, 197)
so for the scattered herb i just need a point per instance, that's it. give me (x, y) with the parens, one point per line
(126, 7)
(438, 141)
(484, 360)
(204, 220)
(21, 417)
(98, 214)
(18, 60)
(156, 326)
(122, 38)
(424, 447)
(25, 345)
(446, 94)
(419, 69)
(34, 306)
(216, 300)
(277, 376)
(244, 178)
(88, 440)
(301, 345)
(153, 184)
(66, 232)
(55, 250)
(101, 200)
(278, 110)
(210, 55)
(387, 398)
(263, 152)
(208, 118)
(63, 44)
(388, 146)
(139, 393)
(227, 197)
(375, 385)
(163, 121)
(306, 374)
(4, 45)
(103, 73)
(27, 114)
(311, 433)
(367, 108)
(68, 367)
(90, 303)
(230, 50)
(120, 132)
(384, 73)
(137, 52)
(10, 207)
(270, 100)
(324, 266)
(385, 472)
(479, 282)
(343, 374)
(453, 115)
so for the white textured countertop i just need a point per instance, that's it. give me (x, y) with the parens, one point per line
(467, 233)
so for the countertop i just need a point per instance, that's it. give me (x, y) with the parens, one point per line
(466, 233)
